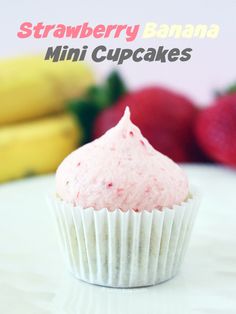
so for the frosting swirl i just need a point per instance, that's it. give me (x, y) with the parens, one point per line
(121, 170)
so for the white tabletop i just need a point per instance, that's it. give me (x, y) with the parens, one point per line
(33, 278)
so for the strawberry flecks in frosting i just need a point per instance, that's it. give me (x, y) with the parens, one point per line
(121, 170)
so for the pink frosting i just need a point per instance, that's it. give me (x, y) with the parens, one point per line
(121, 170)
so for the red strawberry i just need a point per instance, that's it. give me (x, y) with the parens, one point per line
(216, 130)
(165, 118)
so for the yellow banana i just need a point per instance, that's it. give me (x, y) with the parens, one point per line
(31, 87)
(37, 147)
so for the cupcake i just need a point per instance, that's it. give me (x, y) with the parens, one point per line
(124, 210)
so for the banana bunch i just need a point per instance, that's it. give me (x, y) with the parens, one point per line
(36, 132)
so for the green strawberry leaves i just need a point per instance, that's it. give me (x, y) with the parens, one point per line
(95, 100)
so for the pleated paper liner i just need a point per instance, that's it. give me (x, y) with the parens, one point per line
(125, 249)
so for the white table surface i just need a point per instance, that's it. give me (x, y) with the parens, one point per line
(33, 278)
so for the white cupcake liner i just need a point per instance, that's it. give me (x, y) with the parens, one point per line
(125, 249)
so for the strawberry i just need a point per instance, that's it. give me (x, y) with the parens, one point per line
(165, 118)
(216, 130)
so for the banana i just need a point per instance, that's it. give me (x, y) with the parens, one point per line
(31, 87)
(37, 147)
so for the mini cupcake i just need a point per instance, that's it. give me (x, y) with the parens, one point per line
(124, 211)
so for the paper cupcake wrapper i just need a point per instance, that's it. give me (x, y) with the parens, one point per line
(125, 249)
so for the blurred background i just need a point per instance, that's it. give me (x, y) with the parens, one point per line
(186, 110)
